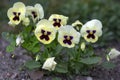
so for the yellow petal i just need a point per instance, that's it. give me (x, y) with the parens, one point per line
(77, 22)
(90, 39)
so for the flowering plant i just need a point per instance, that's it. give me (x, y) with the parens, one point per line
(52, 43)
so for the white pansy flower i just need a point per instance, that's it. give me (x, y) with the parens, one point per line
(91, 30)
(35, 12)
(58, 20)
(68, 36)
(49, 64)
(113, 54)
(45, 32)
(19, 40)
(17, 13)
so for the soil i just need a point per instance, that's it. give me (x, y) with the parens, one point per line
(11, 67)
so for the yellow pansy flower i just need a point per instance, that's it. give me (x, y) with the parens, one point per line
(45, 32)
(91, 30)
(77, 24)
(17, 13)
(68, 36)
(58, 20)
(35, 12)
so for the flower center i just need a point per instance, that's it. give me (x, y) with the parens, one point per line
(34, 14)
(16, 16)
(91, 34)
(45, 35)
(56, 22)
(67, 39)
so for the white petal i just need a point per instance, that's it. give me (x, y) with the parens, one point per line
(113, 53)
(92, 25)
(40, 10)
(19, 40)
(49, 64)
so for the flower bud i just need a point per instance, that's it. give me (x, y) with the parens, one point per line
(49, 64)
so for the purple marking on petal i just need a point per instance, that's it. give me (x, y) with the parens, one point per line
(88, 31)
(48, 33)
(94, 31)
(65, 36)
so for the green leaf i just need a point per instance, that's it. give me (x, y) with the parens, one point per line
(34, 48)
(7, 36)
(32, 64)
(11, 47)
(91, 60)
(108, 65)
(62, 68)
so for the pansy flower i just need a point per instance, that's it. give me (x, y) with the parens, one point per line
(91, 30)
(77, 25)
(68, 36)
(45, 32)
(49, 64)
(114, 53)
(58, 20)
(17, 13)
(35, 12)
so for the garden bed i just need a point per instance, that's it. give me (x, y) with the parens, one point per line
(11, 67)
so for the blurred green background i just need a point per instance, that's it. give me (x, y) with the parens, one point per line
(108, 11)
